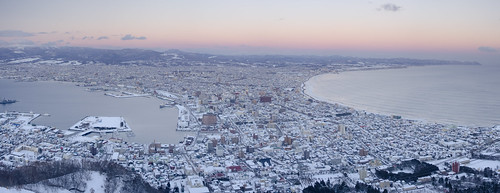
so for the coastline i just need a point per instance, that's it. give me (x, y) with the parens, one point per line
(319, 98)
(308, 88)
(59, 120)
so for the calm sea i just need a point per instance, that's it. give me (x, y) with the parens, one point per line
(458, 95)
(67, 104)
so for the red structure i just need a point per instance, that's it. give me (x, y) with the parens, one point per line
(235, 168)
(455, 167)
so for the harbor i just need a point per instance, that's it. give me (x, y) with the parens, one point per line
(259, 132)
(101, 124)
(64, 104)
(124, 94)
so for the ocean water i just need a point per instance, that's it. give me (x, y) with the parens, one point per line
(458, 95)
(67, 104)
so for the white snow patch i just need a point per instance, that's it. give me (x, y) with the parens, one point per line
(84, 138)
(481, 164)
(97, 182)
(406, 170)
(166, 94)
(14, 190)
(23, 60)
(71, 63)
(326, 177)
(92, 182)
(44, 188)
(354, 176)
(49, 62)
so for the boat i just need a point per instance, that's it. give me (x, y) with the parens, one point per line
(7, 101)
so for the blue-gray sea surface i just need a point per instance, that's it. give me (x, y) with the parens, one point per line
(458, 94)
(67, 104)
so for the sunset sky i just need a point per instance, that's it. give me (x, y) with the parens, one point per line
(426, 27)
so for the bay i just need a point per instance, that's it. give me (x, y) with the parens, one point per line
(67, 104)
(458, 94)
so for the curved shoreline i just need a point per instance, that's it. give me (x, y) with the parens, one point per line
(351, 107)
(306, 90)
(303, 86)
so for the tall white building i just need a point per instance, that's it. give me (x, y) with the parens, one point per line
(342, 129)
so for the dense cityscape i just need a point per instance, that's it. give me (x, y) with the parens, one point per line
(254, 128)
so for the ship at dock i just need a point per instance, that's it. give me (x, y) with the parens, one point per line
(7, 101)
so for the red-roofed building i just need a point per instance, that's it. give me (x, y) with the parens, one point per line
(235, 168)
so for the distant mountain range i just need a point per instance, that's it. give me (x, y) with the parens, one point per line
(177, 57)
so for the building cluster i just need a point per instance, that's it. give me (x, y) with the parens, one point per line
(255, 131)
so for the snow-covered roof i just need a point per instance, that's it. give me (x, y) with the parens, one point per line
(198, 190)
(107, 122)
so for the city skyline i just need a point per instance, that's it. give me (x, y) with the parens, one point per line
(249, 96)
(367, 28)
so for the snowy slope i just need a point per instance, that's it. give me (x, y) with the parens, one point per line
(86, 181)
(14, 190)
